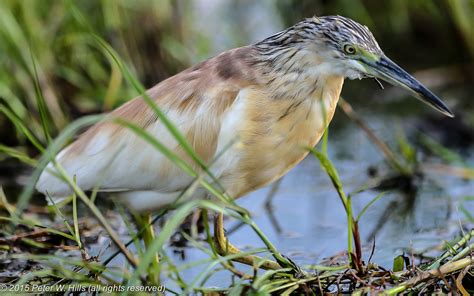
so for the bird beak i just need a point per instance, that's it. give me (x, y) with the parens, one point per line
(387, 70)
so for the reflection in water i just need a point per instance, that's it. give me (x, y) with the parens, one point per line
(302, 214)
(269, 206)
(307, 222)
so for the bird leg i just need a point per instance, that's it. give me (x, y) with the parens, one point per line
(224, 248)
(144, 225)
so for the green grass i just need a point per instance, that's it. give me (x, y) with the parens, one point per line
(79, 70)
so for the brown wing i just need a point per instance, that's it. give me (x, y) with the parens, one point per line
(114, 158)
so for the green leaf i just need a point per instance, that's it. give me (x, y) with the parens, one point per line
(40, 101)
(398, 263)
(444, 153)
(21, 156)
(368, 205)
(21, 127)
(407, 150)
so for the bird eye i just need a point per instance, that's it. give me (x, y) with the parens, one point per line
(349, 49)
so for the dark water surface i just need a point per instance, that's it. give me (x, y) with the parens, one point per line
(308, 223)
(311, 219)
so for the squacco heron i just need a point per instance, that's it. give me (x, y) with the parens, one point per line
(259, 105)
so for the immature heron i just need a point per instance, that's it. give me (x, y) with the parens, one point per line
(259, 105)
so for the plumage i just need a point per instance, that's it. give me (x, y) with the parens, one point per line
(195, 100)
(260, 106)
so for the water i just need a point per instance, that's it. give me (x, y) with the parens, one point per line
(311, 219)
(307, 222)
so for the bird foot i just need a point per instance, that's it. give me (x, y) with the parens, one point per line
(225, 248)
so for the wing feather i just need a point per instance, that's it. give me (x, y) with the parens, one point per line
(113, 158)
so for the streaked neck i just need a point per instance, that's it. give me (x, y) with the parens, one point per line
(293, 73)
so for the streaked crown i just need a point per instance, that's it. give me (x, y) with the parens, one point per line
(339, 30)
(333, 31)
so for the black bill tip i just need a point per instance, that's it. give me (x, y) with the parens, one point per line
(394, 74)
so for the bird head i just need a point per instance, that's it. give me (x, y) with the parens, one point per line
(350, 49)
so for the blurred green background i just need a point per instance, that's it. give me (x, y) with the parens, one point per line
(157, 39)
(53, 71)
